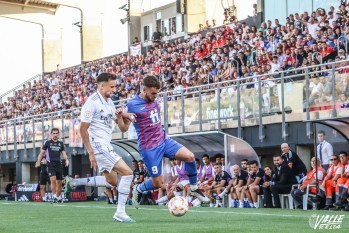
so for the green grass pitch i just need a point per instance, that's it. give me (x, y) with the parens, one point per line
(21, 217)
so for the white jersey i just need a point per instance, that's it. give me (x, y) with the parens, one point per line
(100, 113)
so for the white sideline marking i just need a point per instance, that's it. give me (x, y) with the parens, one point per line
(153, 209)
(220, 212)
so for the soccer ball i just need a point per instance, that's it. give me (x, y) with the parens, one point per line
(178, 206)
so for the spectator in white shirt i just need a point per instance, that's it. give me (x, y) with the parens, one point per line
(55, 97)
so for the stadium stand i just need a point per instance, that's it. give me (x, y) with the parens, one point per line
(224, 53)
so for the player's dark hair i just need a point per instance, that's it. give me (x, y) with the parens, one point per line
(197, 160)
(244, 160)
(105, 77)
(206, 156)
(321, 132)
(219, 155)
(344, 153)
(252, 162)
(151, 81)
(54, 129)
(218, 164)
(140, 161)
(134, 161)
(335, 156)
(277, 155)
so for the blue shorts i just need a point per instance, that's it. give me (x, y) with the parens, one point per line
(153, 158)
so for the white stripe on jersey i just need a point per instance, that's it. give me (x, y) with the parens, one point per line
(100, 114)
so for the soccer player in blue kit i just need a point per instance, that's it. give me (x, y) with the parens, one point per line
(154, 144)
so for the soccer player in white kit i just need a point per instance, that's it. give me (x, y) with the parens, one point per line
(97, 115)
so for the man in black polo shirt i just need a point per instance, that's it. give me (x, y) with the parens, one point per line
(138, 174)
(221, 181)
(53, 149)
(138, 177)
(254, 185)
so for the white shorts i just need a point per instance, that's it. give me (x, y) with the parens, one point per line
(184, 183)
(105, 156)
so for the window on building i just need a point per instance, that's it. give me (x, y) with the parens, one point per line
(165, 27)
(158, 24)
(146, 33)
(173, 28)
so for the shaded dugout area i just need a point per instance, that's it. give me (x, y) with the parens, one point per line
(340, 124)
(211, 143)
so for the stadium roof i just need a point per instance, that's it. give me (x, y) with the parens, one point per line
(33, 4)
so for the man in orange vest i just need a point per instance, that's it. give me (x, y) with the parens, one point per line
(327, 188)
(342, 182)
(311, 178)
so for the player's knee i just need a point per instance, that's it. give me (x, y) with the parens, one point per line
(111, 181)
(186, 156)
(128, 173)
(190, 156)
(157, 183)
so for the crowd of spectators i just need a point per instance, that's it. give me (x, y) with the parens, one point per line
(223, 53)
(248, 185)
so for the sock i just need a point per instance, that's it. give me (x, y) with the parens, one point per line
(190, 168)
(145, 186)
(187, 198)
(241, 204)
(211, 204)
(196, 202)
(251, 204)
(115, 198)
(193, 187)
(177, 194)
(231, 203)
(111, 199)
(90, 181)
(124, 189)
(107, 185)
(256, 205)
(221, 195)
(162, 200)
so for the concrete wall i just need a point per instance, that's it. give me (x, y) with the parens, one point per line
(135, 28)
(196, 14)
(92, 42)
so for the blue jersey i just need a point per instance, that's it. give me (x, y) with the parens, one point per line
(148, 123)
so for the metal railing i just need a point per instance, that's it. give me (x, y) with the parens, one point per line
(287, 96)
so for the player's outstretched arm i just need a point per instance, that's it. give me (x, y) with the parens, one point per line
(124, 119)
